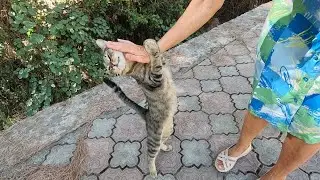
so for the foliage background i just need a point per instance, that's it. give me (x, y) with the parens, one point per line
(47, 50)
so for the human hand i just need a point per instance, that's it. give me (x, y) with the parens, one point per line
(132, 52)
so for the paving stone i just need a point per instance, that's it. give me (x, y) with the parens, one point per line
(239, 116)
(206, 72)
(195, 153)
(186, 87)
(92, 177)
(237, 28)
(248, 163)
(223, 124)
(160, 177)
(210, 85)
(205, 63)
(203, 45)
(246, 70)
(189, 103)
(98, 155)
(241, 176)
(228, 71)
(264, 170)
(249, 34)
(243, 59)
(221, 58)
(186, 75)
(297, 175)
(60, 155)
(45, 128)
(186, 123)
(268, 150)
(253, 56)
(235, 85)
(241, 100)
(166, 162)
(131, 111)
(102, 128)
(236, 48)
(129, 127)
(220, 34)
(250, 80)
(315, 176)
(125, 154)
(184, 56)
(257, 29)
(251, 43)
(313, 164)
(127, 83)
(72, 137)
(118, 174)
(270, 131)
(202, 173)
(217, 102)
(39, 157)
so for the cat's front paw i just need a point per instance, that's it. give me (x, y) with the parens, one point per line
(152, 168)
(166, 148)
(153, 173)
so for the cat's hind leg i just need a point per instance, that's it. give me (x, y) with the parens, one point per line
(166, 133)
(153, 144)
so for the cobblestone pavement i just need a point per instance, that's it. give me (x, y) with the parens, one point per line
(213, 97)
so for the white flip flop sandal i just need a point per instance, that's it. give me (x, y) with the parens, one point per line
(229, 162)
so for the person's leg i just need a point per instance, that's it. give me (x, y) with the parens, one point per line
(294, 153)
(251, 128)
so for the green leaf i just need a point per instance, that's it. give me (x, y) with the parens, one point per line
(23, 73)
(32, 11)
(28, 25)
(59, 26)
(36, 38)
(82, 23)
(15, 7)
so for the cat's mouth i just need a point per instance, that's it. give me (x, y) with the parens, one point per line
(111, 66)
(114, 68)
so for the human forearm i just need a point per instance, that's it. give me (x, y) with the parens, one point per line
(195, 16)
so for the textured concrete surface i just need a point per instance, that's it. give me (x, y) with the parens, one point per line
(60, 155)
(213, 75)
(102, 128)
(125, 154)
(195, 153)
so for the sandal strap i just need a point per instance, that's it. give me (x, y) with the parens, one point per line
(228, 161)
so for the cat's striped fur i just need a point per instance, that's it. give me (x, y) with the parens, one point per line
(157, 85)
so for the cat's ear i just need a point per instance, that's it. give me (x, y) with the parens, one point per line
(101, 43)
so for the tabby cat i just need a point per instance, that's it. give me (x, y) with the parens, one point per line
(157, 85)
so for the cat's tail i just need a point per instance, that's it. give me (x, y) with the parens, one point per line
(141, 110)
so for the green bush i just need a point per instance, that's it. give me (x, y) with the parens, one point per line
(56, 45)
(52, 55)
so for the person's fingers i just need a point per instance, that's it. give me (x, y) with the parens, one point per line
(127, 48)
(124, 47)
(125, 41)
(141, 59)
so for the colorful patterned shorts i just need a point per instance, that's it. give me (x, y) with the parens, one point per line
(286, 90)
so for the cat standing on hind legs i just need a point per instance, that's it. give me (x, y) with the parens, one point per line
(157, 84)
